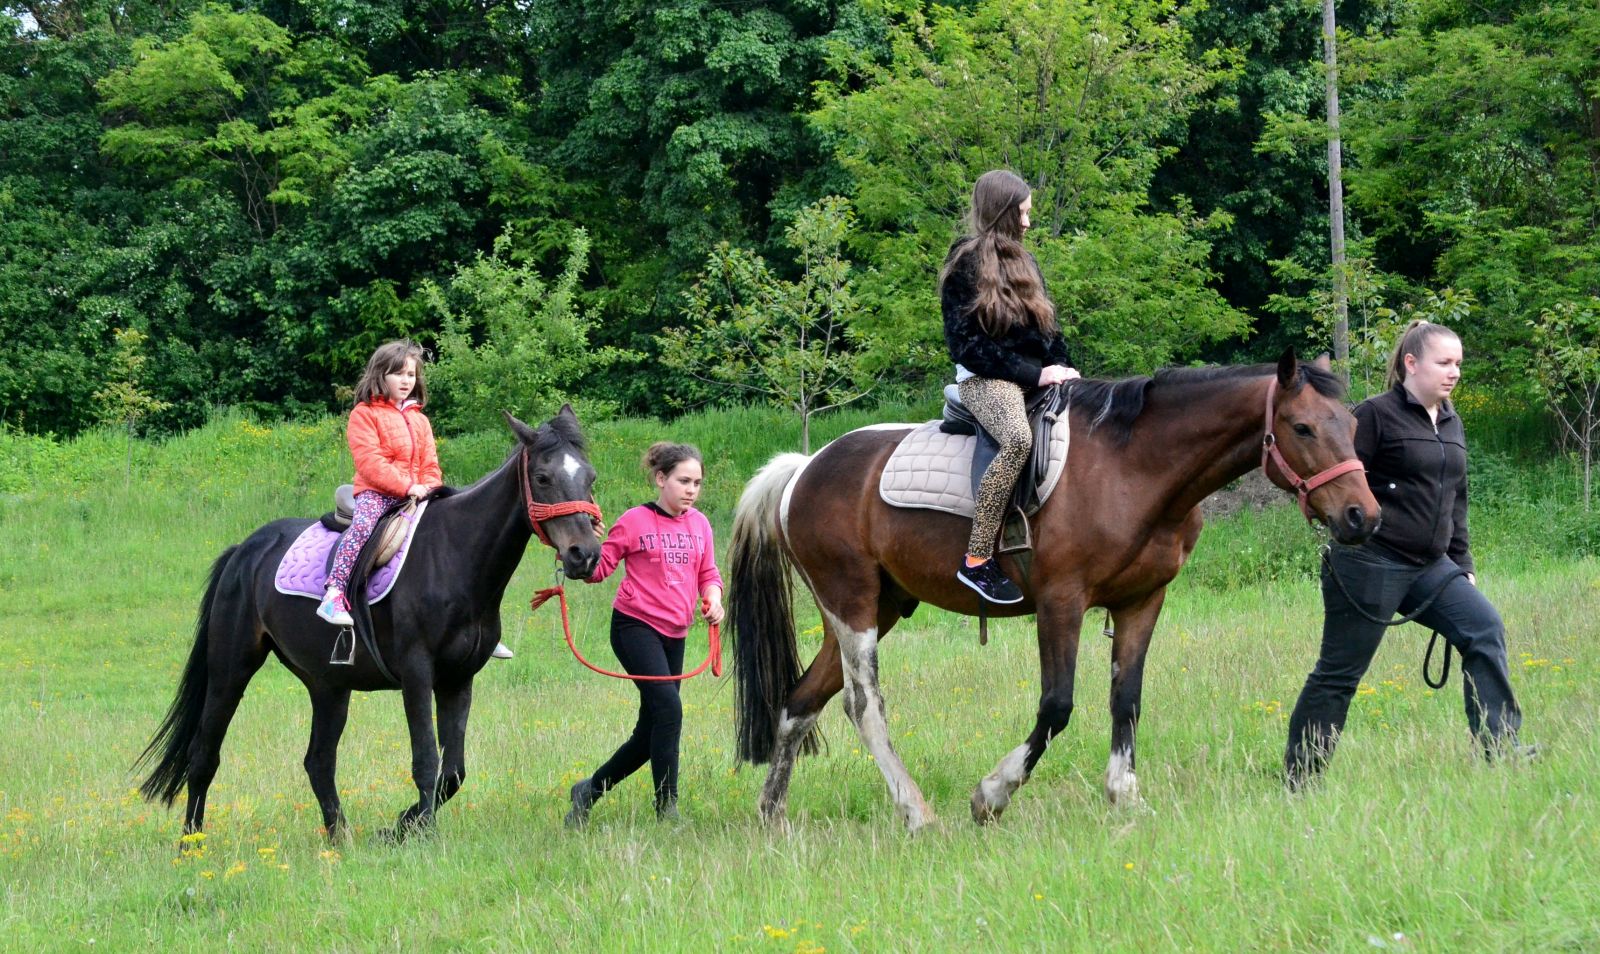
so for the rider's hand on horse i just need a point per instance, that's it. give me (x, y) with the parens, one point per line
(417, 491)
(1056, 374)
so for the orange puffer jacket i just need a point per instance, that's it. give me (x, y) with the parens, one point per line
(393, 448)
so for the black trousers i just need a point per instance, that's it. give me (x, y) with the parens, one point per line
(645, 652)
(1382, 586)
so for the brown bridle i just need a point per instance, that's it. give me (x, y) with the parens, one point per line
(539, 512)
(1302, 487)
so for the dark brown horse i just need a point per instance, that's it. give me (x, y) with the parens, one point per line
(1145, 452)
(436, 628)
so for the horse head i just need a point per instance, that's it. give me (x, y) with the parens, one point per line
(558, 489)
(1309, 448)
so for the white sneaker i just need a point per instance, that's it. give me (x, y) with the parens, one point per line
(335, 609)
(502, 651)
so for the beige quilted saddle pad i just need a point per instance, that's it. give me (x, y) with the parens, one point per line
(933, 470)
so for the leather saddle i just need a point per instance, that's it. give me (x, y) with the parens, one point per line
(1045, 406)
(390, 531)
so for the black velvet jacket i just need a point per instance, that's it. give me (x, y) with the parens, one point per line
(1418, 472)
(1018, 356)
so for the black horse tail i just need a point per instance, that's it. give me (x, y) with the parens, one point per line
(182, 721)
(760, 618)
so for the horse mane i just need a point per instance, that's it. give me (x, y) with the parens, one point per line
(1116, 405)
(552, 435)
(559, 430)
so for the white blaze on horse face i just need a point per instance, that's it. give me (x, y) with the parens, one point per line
(570, 465)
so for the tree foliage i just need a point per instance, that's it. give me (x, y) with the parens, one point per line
(791, 343)
(1566, 372)
(1083, 100)
(1477, 142)
(268, 190)
(511, 341)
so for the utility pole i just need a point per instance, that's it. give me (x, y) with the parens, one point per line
(1341, 295)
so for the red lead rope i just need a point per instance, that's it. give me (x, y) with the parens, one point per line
(713, 657)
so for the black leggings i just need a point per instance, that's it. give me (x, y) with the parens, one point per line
(1460, 613)
(645, 652)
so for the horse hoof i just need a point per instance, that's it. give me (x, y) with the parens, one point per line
(1122, 790)
(404, 829)
(983, 812)
(1129, 802)
(338, 834)
(773, 813)
(919, 819)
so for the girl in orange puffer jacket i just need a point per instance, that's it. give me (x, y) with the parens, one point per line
(392, 443)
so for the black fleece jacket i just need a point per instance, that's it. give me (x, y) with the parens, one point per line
(1017, 356)
(1418, 472)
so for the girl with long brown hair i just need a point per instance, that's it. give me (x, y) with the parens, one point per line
(1000, 328)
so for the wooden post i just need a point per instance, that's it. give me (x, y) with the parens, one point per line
(1341, 295)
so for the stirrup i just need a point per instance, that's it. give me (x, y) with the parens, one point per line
(346, 637)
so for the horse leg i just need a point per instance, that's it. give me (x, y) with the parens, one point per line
(455, 702)
(1134, 625)
(822, 680)
(863, 702)
(329, 710)
(1059, 625)
(417, 692)
(229, 673)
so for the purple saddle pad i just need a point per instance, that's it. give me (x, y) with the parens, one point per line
(303, 571)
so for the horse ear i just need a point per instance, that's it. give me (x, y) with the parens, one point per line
(1323, 362)
(567, 411)
(524, 433)
(1288, 369)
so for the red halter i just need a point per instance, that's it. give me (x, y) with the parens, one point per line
(1302, 487)
(538, 512)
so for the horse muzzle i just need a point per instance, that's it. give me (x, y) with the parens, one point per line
(579, 560)
(1354, 524)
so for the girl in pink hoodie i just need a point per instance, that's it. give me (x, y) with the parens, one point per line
(671, 566)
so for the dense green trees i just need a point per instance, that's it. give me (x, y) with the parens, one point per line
(266, 190)
(1085, 99)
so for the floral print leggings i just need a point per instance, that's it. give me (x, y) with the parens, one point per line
(370, 505)
(999, 406)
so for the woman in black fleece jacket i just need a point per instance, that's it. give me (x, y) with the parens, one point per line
(1415, 452)
(1000, 328)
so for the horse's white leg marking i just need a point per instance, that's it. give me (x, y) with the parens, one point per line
(1122, 786)
(858, 651)
(570, 464)
(995, 791)
(785, 750)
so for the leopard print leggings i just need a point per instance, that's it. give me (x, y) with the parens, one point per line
(999, 407)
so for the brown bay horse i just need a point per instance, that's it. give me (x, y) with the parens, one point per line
(1145, 452)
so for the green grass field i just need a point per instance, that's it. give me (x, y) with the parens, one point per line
(1411, 842)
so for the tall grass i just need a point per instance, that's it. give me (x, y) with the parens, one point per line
(1410, 843)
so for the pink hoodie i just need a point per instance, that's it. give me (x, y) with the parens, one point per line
(671, 561)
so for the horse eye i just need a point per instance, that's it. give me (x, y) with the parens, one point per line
(542, 480)
(1302, 430)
